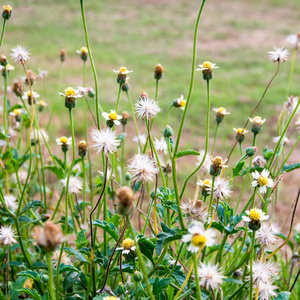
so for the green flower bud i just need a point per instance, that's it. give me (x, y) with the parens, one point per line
(168, 131)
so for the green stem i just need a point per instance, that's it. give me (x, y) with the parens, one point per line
(43, 175)
(50, 281)
(122, 157)
(92, 62)
(156, 89)
(83, 191)
(141, 261)
(219, 254)
(211, 194)
(249, 201)
(197, 277)
(251, 265)
(118, 100)
(2, 33)
(168, 113)
(215, 138)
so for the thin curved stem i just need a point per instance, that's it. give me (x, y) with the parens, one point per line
(118, 100)
(251, 265)
(2, 33)
(215, 138)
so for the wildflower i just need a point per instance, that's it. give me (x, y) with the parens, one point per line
(143, 168)
(32, 77)
(240, 134)
(7, 234)
(70, 97)
(91, 92)
(279, 54)
(222, 188)
(83, 53)
(207, 69)
(256, 124)
(217, 165)
(125, 200)
(17, 113)
(30, 97)
(64, 142)
(206, 164)
(20, 54)
(125, 117)
(11, 201)
(111, 118)
(291, 104)
(263, 271)
(8, 68)
(211, 276)
(137, 276)
(195, 210)
(266, 235)
(18, 88)
(42, 104)
(75, 184)
(82, 148)
(294, 40)
(111, 298)
(127, 246)
(206, 186)
(161, 145)
(147, 108)
(168, 131)
(126, 86)
(254, 218)
(266, 290)
(122, 73)
(199, 237)
(48, 237)
(158, 72)
(259, 161)
(262, 180)
(142, 137)
(62, 55)
(221, 113)
(179, 102)
(105, 140)
(42, 74)
(64, 258)
(22, 175)
(82, 90)
(28, 283)
(39, 135)
(6, 13)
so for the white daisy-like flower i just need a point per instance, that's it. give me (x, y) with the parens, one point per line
(276, 139)
(180, 102)
(20, 54)
(16, 112)
(127, 246)
(111, 298)
(279, 54)
(161, 145)
(143, 168)
(142, 137)
(210, 275)
(206, 164)
(297, 227)
(294, 40)
(199, 237)
(147, 108)
(82, 90)
(123, 71)
(64, 141)
(64, 258)
(7, 234)
(259, 161)
(75, 184)
(262, 180)
(42, 74)
(240, 131)
(290, 104)
(8, 68)
(27, 95)
(105, 140)
(266, 290)
(71, 93)
(83, 50)
(39, 134)
(222, 111)
(257, 121)
(207, 65)
(266, 235)
(222, 188)
(112, 116)
(11, 201)
(254, 215)
(206, 185)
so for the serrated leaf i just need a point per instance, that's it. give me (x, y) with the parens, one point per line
(58, 171)
(289, 168)
(32, 204)
(161, 284)
(182, 153)
(146, 247)
(109, 228)
(65, 268)
(32, 274)
(283, 296)
(81, 240)
(32, 293)
(70, 279)
(238, 168)
(76, 254)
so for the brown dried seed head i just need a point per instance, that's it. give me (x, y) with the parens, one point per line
(32, 77)
(125, 200)
(159, 69)
(63, 54)
(125, 115)
(18, 88)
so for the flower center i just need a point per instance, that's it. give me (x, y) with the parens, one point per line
(84, 50)
(42, 103)
(123, 70)
(28, 94)
(7, 8)
(217, 161)
(128, 244)
(70, 92)
(206, 183)
(262, 180)
(257, 120)
(254, 214)
(182, 103)
(113, 116)
(207, 65)
(240, 130)
(16, 111)
(199, 240)
(63, 140)
(8, 67)
(221, 110)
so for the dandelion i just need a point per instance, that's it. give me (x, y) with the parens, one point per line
(83, 53)
(32, 77)
(211, 276)
(111, 118)
(294, 40)
(122, 73)
(20, 54)
(222, 188)
(206, 164)
(125, 200)
(262, 180)
(64, 258)
(199, 237)
(179, 102)
(11, 201)
(125, 116)
(217, 165)
(75, 184)
(221, 113)
(147, 108)
(291, 104)
(285, 140)
(143, 168)
(7, 234)
(161, 145)
(82, 90)
(18, 88)
(266, 290)
(195, 210)
(263, 271)
(105, 140)
(266, 235)
(279, 54)
(207, 69)
(240, 134)
(39, 135)
(158, 72)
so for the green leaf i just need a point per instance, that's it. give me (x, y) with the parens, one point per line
(58, 171)
(76, 254)
(32, 274)
(81, 240)
(32, 204)
(182, 153)
(233, 280)
(168, 235)
(289, 168)
(267, 153)
(121, 137)
(3, 136)
(64, 268)
(109, 228)
(146, 247)
(161, 284)
(59, 161)
(32, 293)
(238, 168)
(70, 279)
(283, 296)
